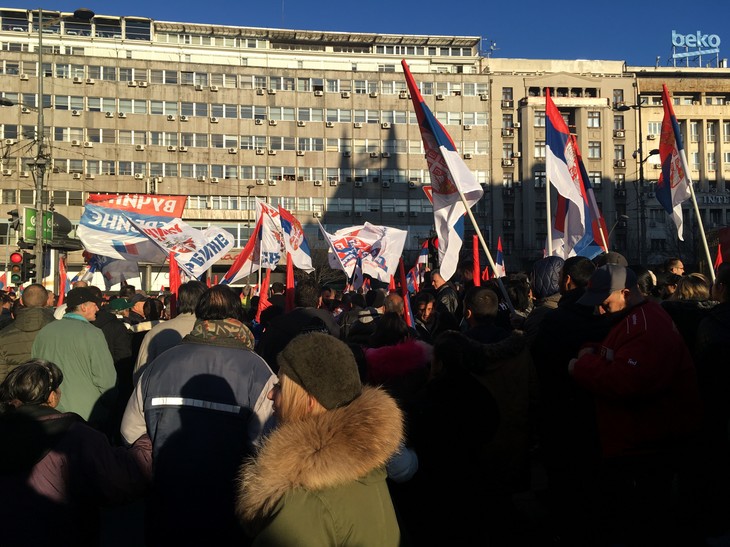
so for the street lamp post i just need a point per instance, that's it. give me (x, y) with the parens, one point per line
(248, 208)
(41, 159)
(639, 186)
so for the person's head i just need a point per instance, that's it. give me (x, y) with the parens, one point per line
(375, 298)
(35, 382)
(317, 373)
(667, 283)
(84, 302)
(306, 294)
(35, 296)
(277, 287)
(188, 295)
(519, 291)
(674, 265)
(437, 279)
(576, 273)
(127, 291)
(394, 303)
(219, 302)
(79, 283)
(646, 282)
(694, 286)
(611, 257)
(137, 302)
(391, 329)
(721, 286)
(51, 299)
(612, 288)
(152, 309)
(480, 305)
(423, 305)
(120, 306)
(327, 293)
(545, 276)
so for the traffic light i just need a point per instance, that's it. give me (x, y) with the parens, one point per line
(14, 220)
(16, 268)
(29, 267)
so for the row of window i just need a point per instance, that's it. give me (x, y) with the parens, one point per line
(269, 83)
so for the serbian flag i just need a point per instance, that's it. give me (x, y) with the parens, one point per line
(563, 170)
(245, 263)
(673, 186)
(450, 177)
(296, 243)
(500, 270)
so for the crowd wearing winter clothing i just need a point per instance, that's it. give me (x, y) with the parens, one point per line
(596, 390)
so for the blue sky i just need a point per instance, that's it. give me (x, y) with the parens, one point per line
(635, 31)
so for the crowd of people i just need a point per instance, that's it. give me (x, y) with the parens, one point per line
(582, 403)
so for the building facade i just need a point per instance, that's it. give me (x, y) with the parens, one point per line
(322, 124)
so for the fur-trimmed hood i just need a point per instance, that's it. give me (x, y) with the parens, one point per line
(319, 452)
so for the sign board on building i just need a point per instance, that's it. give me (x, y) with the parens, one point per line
(694, 44)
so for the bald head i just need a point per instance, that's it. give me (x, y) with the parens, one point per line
(34, 296)
(76, 284)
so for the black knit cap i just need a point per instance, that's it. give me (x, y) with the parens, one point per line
(324, 366)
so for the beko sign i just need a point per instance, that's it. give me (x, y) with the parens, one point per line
(705, 43)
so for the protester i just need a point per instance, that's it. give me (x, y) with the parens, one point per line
(305, 317)
(16, 340)
(674, 265)
(319, 477)
(170, 333)
(59, 471)
(647, 406)
(545, 283)
(204, 405)
(81, 352)
(447, 298)
(688, 305)
(481, 306)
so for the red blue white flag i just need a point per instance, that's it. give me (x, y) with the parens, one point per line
(500, 270)
(295, 241)
(673, 187)
(246, 263)
(450, 177)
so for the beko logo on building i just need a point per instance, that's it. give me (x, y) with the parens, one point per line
(705, 43)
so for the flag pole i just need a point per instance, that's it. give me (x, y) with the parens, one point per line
(486, 249)
(699, 218)
(548, 216)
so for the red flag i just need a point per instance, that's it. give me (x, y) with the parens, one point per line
(475, 272)
(263, 296)
(485, 274)
(215, 279)
(289, 303)
(174, 284)
(391, 287)
(62, 278)
(207, 281)
(718, 260)
(404, 293)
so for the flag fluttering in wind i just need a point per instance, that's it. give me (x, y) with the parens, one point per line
(578, 227)
(378, 247)
(63, 278)
(246, 263)
(501, 271)
(450, 177)
(673, 187)
(295, 242)
(105, 228)
(194, 250)
(175, 282)
(476, 267)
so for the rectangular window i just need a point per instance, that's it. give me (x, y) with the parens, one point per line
(594, 119)
(594, 150)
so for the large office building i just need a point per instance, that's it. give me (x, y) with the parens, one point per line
(322, 124)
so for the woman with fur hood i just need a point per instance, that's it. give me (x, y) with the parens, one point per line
(319, 478)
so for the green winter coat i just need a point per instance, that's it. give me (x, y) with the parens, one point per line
(321, 482)
(81, 352)
(16, 340)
